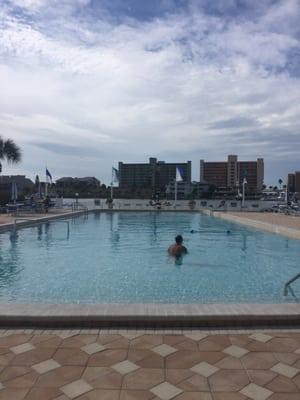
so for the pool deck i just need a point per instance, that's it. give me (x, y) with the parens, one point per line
(286, 225)
(140, 365)
(7, 221)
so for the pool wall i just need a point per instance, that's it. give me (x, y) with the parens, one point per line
(150, 315)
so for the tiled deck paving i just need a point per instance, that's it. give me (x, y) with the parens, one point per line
(135, 365)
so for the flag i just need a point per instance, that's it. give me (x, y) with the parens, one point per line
(179, 174)
(48, 175)
(115, 175)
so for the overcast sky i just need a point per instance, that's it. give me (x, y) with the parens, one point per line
(86, 83)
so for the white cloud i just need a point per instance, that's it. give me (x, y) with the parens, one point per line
(139, 89)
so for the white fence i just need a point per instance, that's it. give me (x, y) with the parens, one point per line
(181, 205)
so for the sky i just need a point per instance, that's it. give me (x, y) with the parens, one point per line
(87, 83)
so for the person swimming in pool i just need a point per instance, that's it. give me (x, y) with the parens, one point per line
(177, 249)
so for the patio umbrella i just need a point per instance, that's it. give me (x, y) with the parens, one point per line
(14, 191)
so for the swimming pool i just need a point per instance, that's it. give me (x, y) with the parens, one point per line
(121, 257)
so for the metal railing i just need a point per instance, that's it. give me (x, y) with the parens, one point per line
(289, 282)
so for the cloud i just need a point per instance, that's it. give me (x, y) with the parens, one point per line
(189, 80)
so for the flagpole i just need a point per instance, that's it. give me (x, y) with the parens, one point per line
(46, 184)
(111, 186)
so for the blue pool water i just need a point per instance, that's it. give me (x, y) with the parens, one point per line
(122, 258)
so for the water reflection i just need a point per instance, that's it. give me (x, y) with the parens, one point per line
(10, 261)
(114, 230)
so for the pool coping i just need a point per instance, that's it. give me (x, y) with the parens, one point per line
(149, 315)
(31, 221)
(260, 225)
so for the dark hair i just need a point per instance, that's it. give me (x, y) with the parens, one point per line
(179, 239)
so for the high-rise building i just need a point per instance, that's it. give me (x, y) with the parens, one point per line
(291, 182)
(297, 181)
(155, 174)
(230, 173)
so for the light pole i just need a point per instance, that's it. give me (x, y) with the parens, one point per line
(76, 195)
(243, 198)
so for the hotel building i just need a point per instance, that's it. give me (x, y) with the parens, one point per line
(155, 174)
(230, 173)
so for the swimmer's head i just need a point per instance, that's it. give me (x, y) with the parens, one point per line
(192, 231)
(228, 232)
(179, 239)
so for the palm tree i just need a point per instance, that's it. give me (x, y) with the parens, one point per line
(9, 152)
(280, 182)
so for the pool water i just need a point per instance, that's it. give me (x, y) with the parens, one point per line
(121, 257)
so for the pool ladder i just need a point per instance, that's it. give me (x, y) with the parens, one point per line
(289, 282)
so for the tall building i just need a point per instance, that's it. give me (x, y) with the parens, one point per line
(297, 181)
(291, 183)
(155, 174)
(228, 174)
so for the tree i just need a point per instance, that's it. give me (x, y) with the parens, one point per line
(9, 152)
(280, 182)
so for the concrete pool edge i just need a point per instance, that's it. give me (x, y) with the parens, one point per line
(259, 225)
(149, 315)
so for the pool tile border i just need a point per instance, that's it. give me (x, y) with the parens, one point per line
(149, 315)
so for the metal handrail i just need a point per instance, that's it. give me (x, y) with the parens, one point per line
(289, 282)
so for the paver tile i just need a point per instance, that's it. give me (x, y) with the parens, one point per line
(136, 395)
(14, 340)
(283, 344)
(282, 384)
(164, 350)
(43, 394)
(32, 357)
(287, 358)
(146, 342)
(228, 381)
(13, 372)
(13, 393)
(256, 392)
(259, 360)
(261, 337)
(24, 381)
(112, 380)
(76, 388)
(229, 363)
(67, 356)
(194, 396)
(143, 378)
(166, 391)
(285, 370)
(228, 396)
(194, 383)
(196, 336)
(100, 394)
(125, 367)
(60, 376)
(284, 396)
(46, 366)
(92, 373)
(235, 351)
(175, 376)
(261, 377)
(204, 369)
(22, 348)
(93, 348)
(107, 358)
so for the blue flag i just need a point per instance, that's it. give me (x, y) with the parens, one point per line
(179, 174)
(48, 175)
(115, 175)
